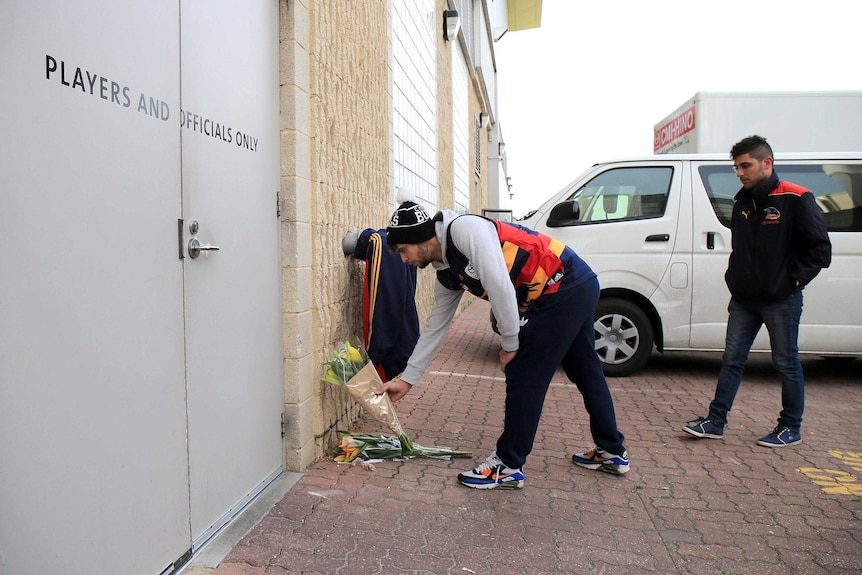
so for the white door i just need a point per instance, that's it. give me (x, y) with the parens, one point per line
(233, 296)
(140, 389)
(93, 461)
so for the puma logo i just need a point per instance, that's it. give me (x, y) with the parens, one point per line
(745, 214)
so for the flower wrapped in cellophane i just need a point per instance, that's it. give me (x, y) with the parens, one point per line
(350, 368)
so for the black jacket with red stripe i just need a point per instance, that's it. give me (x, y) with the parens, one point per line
(779, 241)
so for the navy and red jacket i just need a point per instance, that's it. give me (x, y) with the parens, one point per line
(389, 316)
(779, 241)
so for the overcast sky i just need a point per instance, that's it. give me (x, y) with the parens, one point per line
(591, 82)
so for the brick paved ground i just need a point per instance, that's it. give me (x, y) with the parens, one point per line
(688, 506)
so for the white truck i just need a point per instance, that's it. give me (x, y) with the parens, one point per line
(709, 122)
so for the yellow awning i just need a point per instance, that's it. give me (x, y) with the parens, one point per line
(524, 14)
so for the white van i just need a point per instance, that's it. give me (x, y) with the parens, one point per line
(656, 231)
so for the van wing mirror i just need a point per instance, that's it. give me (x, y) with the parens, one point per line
(564, 214)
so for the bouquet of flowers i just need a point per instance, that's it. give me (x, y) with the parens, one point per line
(350, 368)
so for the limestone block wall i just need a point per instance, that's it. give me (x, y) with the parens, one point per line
(336, 177)
(295, 208)
(351, 183)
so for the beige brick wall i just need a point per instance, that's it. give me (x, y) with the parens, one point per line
(336, 164)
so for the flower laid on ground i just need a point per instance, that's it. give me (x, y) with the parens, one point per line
(371, 447)
(350, 368)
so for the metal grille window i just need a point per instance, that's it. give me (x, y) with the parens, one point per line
(460, 130)
(477, 130)
(465, 12)
(414, 25)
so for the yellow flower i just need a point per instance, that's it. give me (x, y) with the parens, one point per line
(345, 363)
(353, 355)
(329, 376)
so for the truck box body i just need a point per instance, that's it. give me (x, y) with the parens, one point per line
(711, 122)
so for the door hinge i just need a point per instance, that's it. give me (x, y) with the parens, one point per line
(277, 205)
(178, 564)
(183, 559)
(283, 425)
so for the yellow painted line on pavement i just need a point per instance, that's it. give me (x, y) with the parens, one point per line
(836, 481)
(851, 459)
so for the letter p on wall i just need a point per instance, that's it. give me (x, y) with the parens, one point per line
(50, 66)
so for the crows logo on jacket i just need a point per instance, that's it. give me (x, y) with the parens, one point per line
(771, 215)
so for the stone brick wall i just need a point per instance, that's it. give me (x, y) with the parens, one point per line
(336, 138)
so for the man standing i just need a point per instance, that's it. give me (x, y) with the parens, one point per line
(779, 244)
(543, 297)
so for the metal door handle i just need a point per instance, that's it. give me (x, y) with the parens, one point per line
(658, 238)
(195, 248)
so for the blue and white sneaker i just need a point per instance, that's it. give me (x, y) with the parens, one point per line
(704, 427)
(493, 474)
(598, 458)
(781, 436)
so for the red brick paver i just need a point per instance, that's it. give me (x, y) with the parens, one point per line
(688, 506)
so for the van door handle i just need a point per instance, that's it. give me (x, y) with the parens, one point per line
(710, 240)
(658, 238)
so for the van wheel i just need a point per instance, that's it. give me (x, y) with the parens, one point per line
(624, 336)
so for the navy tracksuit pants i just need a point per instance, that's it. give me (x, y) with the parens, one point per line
(558, 332)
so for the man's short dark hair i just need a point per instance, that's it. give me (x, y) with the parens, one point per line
(755, 146)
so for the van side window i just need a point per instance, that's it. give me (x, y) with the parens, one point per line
(721, 186)
(836, 187)
(624, 194)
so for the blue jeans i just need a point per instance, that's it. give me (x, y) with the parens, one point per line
(781, 319)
